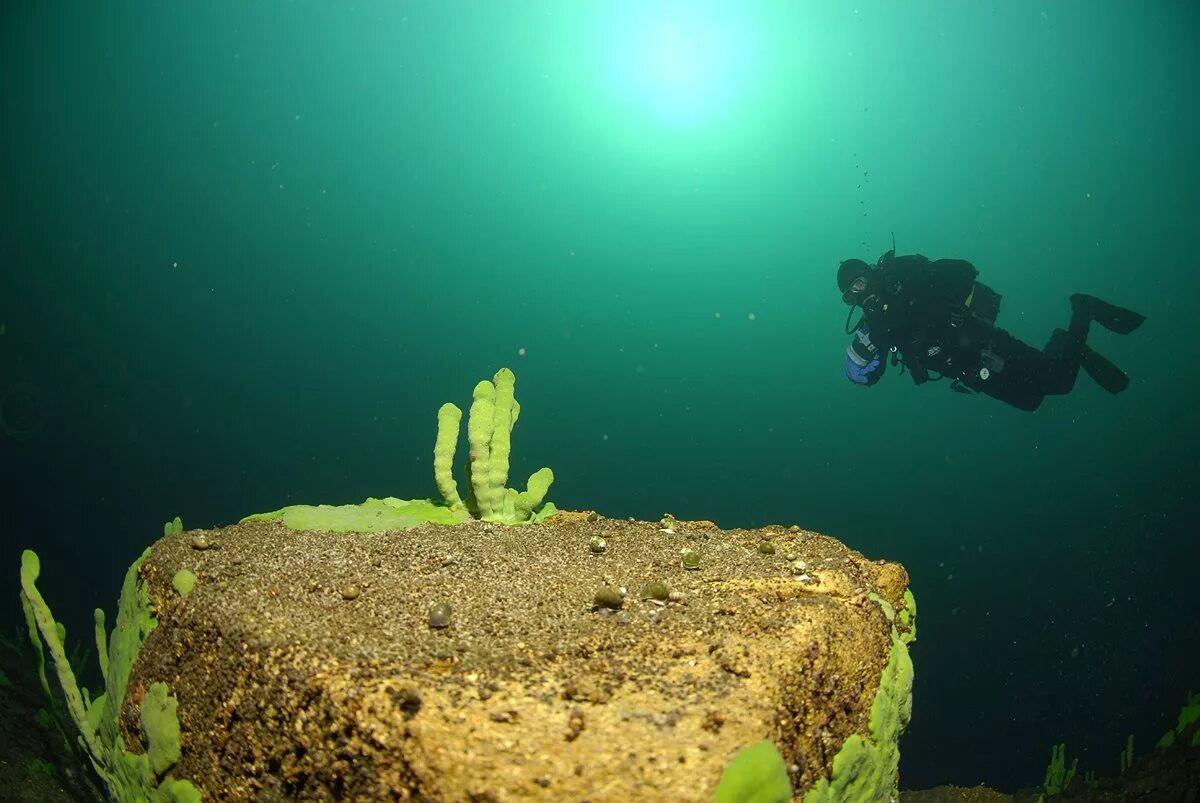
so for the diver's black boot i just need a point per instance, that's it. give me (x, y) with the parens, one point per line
(1103, 372)
(1111, 317)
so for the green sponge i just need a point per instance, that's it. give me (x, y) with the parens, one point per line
(755, 774)
(372, 516)
(128, 776)
(501, 445)
(184, 582)
(41, 621)
(864, 770)
(479, 439)
(494, 412)
(161, 726)
(538, 485)
(449, 418)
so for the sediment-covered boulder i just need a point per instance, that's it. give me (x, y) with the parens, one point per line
(575, 659)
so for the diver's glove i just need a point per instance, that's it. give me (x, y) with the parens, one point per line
(862, 374)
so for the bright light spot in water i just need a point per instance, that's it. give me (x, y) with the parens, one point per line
(682, 62)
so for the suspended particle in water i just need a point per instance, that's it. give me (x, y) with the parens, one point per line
(521, 351)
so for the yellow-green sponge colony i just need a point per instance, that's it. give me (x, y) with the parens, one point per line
(128, 777)
(494, 412)
(865, 769)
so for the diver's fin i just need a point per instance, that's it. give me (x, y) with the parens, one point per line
(1111, 317)
(1103, 372)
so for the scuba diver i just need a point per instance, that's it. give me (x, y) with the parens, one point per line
(936, 321)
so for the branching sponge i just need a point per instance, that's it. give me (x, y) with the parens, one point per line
(128, 776)
(494, 412)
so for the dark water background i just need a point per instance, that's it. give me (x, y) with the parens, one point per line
(249, 248)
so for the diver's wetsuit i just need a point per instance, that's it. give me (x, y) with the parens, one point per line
(939, 322)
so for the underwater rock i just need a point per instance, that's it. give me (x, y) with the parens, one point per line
(284, 693)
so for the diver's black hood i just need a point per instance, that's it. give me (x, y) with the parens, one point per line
(850, 270)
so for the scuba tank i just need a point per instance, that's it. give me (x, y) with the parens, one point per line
(984, 303)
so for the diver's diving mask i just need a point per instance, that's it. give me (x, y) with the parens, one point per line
(856, 292)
